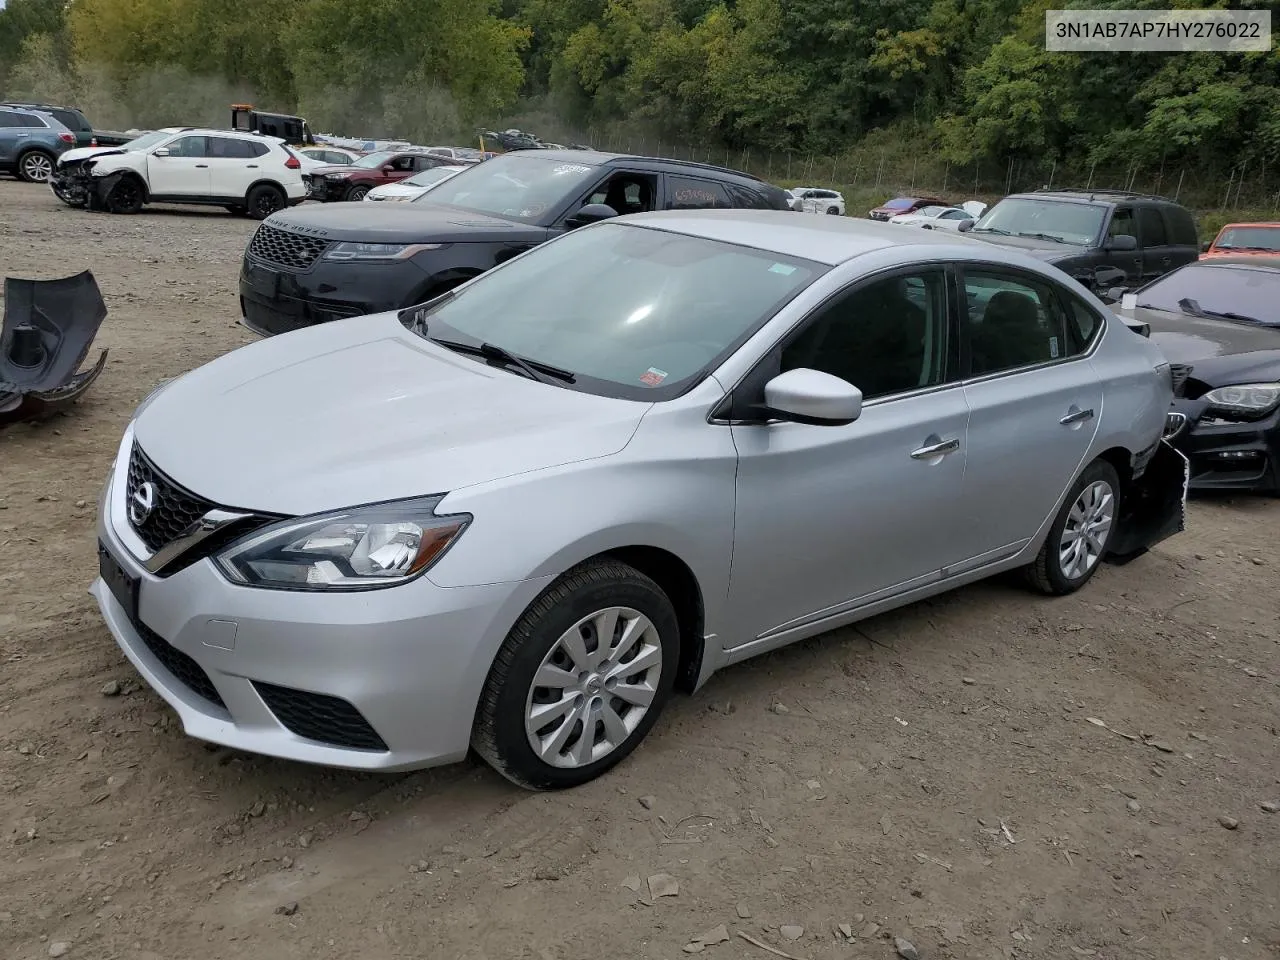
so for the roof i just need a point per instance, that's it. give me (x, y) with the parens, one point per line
(598, 158)
(1266, 224)
(829, 240)
(1087, 196)
(1243, 260)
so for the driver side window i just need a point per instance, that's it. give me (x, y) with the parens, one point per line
(885, 337)
(626, 193)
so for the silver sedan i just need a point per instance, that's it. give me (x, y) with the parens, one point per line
(520, 516)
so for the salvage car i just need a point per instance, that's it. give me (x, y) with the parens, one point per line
(1252, 238)
(415, 186)
(247, 173)
(31, 142)
(900, 205)
(650, 448)
(937, 217)
(818, 200)
(350, 182)
(1218, 320)
(312, 265)
(1084, 231)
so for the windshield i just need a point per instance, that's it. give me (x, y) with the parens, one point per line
(427, 177)
(147, 140)
(1077, 223)
(931, 211)
(632, 312)
(1218, 288)
(519, 186)
(373, 159)
(1249, 238)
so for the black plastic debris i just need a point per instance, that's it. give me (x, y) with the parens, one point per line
(49, 326)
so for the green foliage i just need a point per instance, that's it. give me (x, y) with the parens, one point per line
(967, 81)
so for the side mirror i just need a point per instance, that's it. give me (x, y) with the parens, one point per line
(1204, 247)
(812, 397)
(1122, 243)
(160, 152)
(590, 213)
(388, 168)
(966, 225)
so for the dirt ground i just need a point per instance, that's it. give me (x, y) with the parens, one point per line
(940, 774)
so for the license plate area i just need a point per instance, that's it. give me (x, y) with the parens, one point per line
(122, 586)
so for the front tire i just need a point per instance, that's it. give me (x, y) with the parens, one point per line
(126, 196)
(580, 679)
(1083, 529)
(833, 211)
(357, 193)
(35, 166)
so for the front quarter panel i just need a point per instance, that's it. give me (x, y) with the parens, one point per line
(671, 487)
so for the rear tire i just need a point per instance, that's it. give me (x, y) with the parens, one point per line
(357, 193)
(833, 211)
(1080, 534)
(568, 671)
(264, 200)
(35, 166)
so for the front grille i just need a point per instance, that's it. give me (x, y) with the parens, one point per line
(319, 717)
(173, 509)
(284, 248)
(186, 670)
(1173, 424)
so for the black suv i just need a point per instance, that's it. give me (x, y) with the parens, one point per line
(311, 264)
(1094, 235)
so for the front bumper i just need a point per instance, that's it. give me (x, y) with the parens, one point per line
(1229, 454)
(274, 301)
(326, 191)
(380, 680)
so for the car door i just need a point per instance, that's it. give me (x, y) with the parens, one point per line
(951, 219)
(1124, 223)
(400, 168)
(233, 166)
(1035, 403)
(179, 168)
(10, 130)
(831, 517)
(694, 193)
(1184, 244)
(1153, 242)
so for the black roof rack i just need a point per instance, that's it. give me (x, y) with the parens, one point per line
(697, 164)
(1093, 192)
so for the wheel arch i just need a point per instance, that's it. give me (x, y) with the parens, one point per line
(266, 182)
(1120, 459)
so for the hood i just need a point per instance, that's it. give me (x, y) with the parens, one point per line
(84, 153)
(401, 223)
(974, 208)
(321, 168)
(1186, 339)
(358, 411)
(1045, 250)
(396, 190)
(907, 218)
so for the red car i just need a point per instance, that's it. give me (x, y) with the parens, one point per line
(1255, 239)
(891, 208)
(352, 181)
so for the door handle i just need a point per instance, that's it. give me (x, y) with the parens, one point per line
(936, 448)
(202, 166)
(252, 166)
(1076, 415)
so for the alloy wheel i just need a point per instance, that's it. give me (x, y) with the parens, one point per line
(36, 167)
(593, 688)
(1087, 530)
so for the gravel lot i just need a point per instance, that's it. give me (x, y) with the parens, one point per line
(940, 774)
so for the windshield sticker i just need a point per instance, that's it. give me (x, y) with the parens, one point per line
(564, 168)
(653, 376)
(1053, 348)
(783, 268)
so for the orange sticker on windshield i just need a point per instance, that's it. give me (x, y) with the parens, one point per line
(653, 376)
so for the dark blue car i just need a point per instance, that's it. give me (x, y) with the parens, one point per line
(31, 142)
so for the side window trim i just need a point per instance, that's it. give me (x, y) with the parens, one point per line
(1017, 276)
(732, 408)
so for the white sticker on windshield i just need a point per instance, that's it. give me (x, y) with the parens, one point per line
(783, 268)
(1053, 348)
(570, 168)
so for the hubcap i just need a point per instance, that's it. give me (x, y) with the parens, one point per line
(594, 687)
(37, 167)
(1087, 530)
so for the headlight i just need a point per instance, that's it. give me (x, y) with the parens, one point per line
(359, 549)
(335, 176)
(1247, 398)
(378, 251)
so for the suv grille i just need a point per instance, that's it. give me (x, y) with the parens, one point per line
(173, 508)
(317, 716)
(293, 250)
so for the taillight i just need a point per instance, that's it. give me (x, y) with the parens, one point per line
(93, 141)
(67, 137)
(292, 163)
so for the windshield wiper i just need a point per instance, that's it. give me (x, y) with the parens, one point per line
(1187, 305)
(1044, 236)
(533, 369)
(1003, 233)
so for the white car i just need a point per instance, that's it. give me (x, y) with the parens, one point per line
(818, 200)
(941, 218)
(245, 172)
(326, 156)
(413, 187)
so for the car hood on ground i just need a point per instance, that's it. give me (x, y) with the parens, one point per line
(358, 411)
(402, 223)
(1045, 250)
(1220, 346)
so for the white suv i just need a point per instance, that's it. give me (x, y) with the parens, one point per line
(818, 200)
(245, 172)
